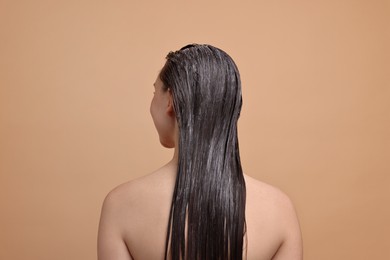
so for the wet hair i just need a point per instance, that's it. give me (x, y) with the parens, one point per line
(207, 215)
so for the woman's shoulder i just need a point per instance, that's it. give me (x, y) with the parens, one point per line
(138, 212)
(266, 193)
(143, 190)
(270, 214)
(267, 199)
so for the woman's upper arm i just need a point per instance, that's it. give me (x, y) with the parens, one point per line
(291, 247)
(111, 245)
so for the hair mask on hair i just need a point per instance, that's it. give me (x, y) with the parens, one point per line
(209, 195)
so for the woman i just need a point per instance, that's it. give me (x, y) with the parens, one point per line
(200, 205)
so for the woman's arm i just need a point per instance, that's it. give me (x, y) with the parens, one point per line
(111, 245)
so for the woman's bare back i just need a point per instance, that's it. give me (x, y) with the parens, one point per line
(135, 217)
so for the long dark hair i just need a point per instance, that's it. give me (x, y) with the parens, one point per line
(207, 216)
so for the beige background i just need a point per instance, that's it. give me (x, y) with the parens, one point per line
(76, 82)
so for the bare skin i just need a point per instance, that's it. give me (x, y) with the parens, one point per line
(134, 216)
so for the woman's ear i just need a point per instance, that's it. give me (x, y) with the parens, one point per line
(170, 109)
